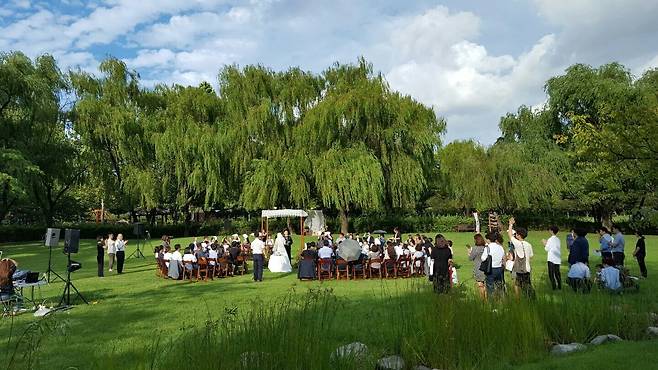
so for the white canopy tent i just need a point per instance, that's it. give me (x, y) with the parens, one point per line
(266, 214)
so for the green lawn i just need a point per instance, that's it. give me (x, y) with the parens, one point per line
(129, 313)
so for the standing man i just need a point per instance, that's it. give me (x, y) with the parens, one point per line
(257, 248)
(554, 255)
(288, 243)
(605, 242)
(640, 253)
(618, 244)
(100, 254)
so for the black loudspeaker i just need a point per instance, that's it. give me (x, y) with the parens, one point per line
(71, 240)
(52, 237)
(138, 229)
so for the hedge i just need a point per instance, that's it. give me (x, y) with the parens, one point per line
(240, 225)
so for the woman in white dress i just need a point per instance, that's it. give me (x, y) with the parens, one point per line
(279, 261)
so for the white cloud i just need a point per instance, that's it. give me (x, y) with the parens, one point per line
(460, 78)
(446, 58)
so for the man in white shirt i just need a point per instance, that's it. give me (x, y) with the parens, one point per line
(578, 277)
(609, 276)
(325, 251)
(554, 255)
(522, 250)
(257, 248)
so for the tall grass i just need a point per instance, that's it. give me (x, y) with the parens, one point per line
(454, 331)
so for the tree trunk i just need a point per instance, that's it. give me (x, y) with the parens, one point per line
(188, 220)
(344, 221)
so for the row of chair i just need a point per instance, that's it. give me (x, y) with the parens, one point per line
(206, 268)
(404, 266)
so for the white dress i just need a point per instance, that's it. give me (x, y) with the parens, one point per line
(279, 261)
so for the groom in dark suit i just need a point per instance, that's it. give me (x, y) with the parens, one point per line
(288, 243)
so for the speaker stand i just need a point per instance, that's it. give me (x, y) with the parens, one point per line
(50, 270)
(138, 252)
(66, 295)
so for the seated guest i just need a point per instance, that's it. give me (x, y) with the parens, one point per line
(200, 252)
(578, 277)
(326, 251)
(167, 255)
(389, 252)
(212, 254)
(234, 251)
(175, 262)
(189, 257)
(398, 249)
(307, 263)
(609, 275)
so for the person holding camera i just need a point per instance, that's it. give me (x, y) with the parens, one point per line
(522, 255)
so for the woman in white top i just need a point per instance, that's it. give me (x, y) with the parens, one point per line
(554, 255)
(279, 261)
(494, 281)
(120, 247)
(111, 250)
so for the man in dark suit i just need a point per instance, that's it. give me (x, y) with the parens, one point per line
(288, 243)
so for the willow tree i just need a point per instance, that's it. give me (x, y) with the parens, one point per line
(40, 160)
(610, 125)
(107, 117)
(188, 173)
(467, 171)
(368, 148)
(262, 109)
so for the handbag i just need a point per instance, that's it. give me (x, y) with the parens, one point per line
(485, 266)
(519, 262)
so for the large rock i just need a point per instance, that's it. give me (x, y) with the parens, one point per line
(422, 367)
(652, 331)
(563, 349)
(605, 339)
(390, 363)
(354, 350)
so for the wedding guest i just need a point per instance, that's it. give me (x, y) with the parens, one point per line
(442, 258)
(307, 263)
(579, 250)
(605, 243)
(554, 258)
(257, 249)
(495, 282)
(100, 254)
(189, 257)
(167, 255)
(326, 251)
(475, 255)
(640, 253)
(522, 252)
(111, 250)
(120, 247)
(578, 277)
(618, 244)
(609, 276)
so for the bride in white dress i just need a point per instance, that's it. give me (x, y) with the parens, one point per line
(279, 261)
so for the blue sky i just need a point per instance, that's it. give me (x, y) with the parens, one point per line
(472, 61)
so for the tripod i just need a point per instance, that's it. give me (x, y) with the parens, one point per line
(50, 269)
(138, 252)
(66, 295)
